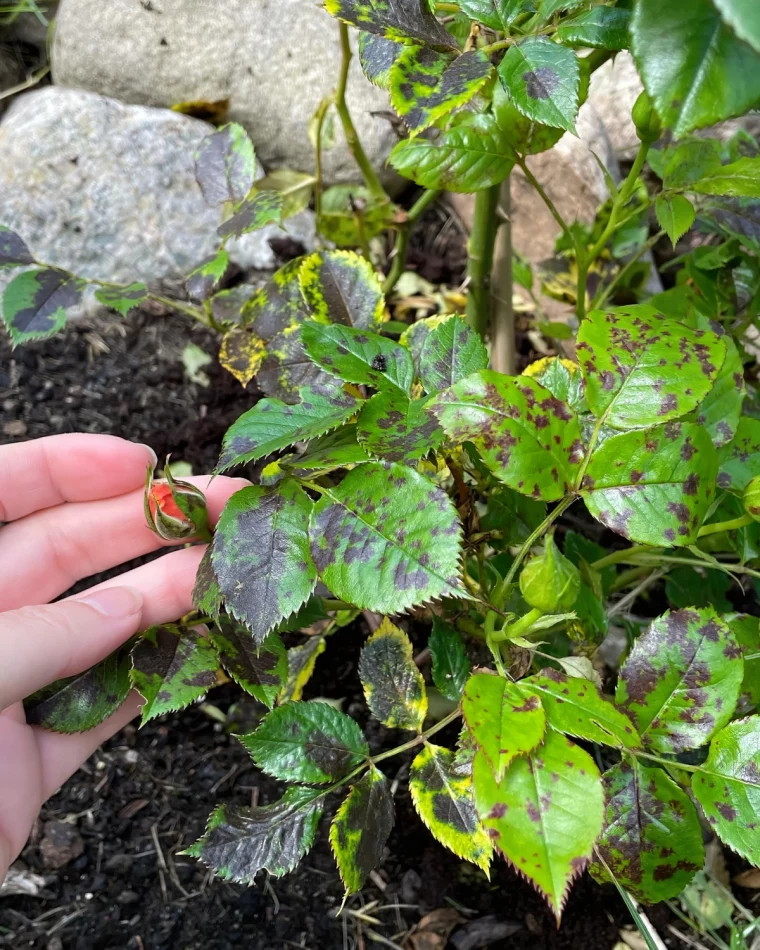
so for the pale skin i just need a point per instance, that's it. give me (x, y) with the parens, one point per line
(73, 507)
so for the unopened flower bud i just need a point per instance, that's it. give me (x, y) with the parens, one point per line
(645, 119)
(752, 498)
(175, 510)
(550, 582)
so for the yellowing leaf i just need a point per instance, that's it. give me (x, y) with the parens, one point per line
(393, 686)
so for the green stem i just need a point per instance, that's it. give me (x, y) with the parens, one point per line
(321, 113)
(480, 249)
(330, 604)
(720, 526)
(539, 189)
(624, 554)
(349, 130)
(180, 307)
(606, 292)
(656, 758)
(403, 236)
(626, 578)
(418, 740)
(503, 355)
(519, 627)
(597, 58)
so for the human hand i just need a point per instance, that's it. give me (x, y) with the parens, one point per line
(73, 506)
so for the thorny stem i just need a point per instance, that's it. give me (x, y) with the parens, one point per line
(403, 236)
(349, 130)
(480, 249)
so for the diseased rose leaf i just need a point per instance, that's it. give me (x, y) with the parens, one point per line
(294, 188)
(652, 840)
(400, 20)
(272, 425)
(301, 662)
(504, 720)
(337, 449)
(261, 555)
(309, 742)
(426, 85)
(473, 153)
(451, 351)
(225, 165)
(746, 630)
(36, 302)
(122, 299)
(207, 598)
(387, 539)
(451, 665)
(642, 369)
(542, 79)
(350, 215)
(576, 707)
(727, 786)
(361, 827)
(740, 460)
(528, 438)
(393, 686)
(79, 703)
(259, 670)
(278, 305)
(358, 356)
(681, 681)
(721, 409)
(653, 486)
(172, 667)
(441, 790)
(287, 369)
(562, 378)
(342, 287)
(13, 250)
(240, 842)
(545, 814)
(255, 212)
(394, 427)
(204, 279)
(376, 56)
(242, 354)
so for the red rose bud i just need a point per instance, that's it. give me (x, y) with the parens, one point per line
(175, 510)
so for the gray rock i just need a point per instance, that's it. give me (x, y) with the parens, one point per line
(274, 59)
(108, 191)
(60, 845)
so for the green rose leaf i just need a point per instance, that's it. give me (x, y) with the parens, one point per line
(394, 427)
(273, 425)
(740, 179)
(387, 539)
(651, 841)
(653, 486)
(294, 188)
(309, 742)
(342, 287)
(720, 411)
(740, 460)
(728, 786)
(528, 438)
(255, 212)
(543, 80)
(599, 28)
(13, 250)
(261, 555)
(400, 20)
(301, 663)
(472, 154)
(204, 279)
(695, 69)
(393, 686)
(576, 707)
(512, 516)
(79, 703)
(35, 303)
(426, 85)
(545, 814)
(172, 667)
(207, 598)
(504, 720)
(350, 215)
(361, 827)
(122, 299)
(358, 356)
(259, 670)
(675, 215)
(376, 56)
(441, 790)
(547, 8)
(240, 842)
(451, 351)
(496, 14)
(335, 450)
(225, 165)
(451, 665)
(642, 369)
(681, 681)
(743, 16)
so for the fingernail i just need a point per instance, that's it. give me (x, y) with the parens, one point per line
(115, 602)
(150, 451)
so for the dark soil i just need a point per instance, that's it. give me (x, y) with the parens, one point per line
(146, 794)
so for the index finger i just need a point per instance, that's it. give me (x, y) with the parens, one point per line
(72, 467)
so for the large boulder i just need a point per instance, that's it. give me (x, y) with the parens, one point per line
(108, 191)
(274, 60)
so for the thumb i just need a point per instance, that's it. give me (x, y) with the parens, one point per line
(41, 644)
